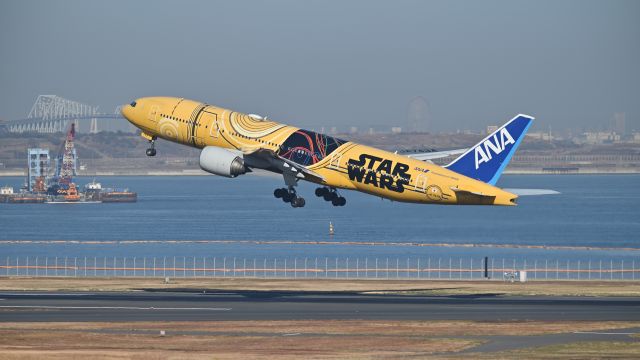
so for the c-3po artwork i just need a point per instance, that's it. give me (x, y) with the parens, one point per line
(233, 143)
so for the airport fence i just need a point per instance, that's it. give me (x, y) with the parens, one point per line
(430, 268)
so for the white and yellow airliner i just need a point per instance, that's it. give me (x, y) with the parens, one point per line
(233, 143)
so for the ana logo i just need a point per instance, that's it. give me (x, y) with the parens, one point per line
(494, 145)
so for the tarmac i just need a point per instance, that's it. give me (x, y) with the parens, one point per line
(256, 305)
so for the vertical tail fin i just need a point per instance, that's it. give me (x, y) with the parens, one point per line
(486, 160)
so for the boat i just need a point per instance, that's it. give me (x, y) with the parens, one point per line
(95, 191)
(117, 196)
(92, 191)
(26, 198)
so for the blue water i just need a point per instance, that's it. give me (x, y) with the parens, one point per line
(592, 210)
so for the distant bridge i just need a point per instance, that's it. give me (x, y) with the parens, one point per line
(51, 113)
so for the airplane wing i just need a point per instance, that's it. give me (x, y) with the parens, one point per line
(426, 156)
(268, 159)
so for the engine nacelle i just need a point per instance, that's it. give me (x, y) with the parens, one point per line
(219, 161)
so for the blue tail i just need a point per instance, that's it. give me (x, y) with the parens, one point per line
(487, 159)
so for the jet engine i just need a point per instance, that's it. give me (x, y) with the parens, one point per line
(222, 162)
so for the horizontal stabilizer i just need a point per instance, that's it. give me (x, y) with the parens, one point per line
(473, 198)
(532, 192)
(426, 156)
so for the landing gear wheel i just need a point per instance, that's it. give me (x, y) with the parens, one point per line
(288, 194)
(151, 151)
(279, 193)
(339, 201)
(342, 201)
(297, 202)
(329, 196)
(321, 191)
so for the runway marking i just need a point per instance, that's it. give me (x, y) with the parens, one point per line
(603, 333)
(107, 307)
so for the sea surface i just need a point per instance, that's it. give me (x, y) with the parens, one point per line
(213, 216)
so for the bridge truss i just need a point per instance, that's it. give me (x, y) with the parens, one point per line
(52, 113)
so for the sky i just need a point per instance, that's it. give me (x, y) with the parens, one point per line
(322, 64)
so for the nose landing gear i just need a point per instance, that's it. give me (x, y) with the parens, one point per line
(151, 151)
(331, 194)
(289, 196)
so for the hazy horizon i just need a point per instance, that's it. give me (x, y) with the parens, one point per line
(316, 64)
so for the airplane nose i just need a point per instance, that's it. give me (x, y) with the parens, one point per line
(128, 111)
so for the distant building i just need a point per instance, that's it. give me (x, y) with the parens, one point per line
(491, 129)
(396, 130)
(353, 130)
(618, 123)
(540, 135)
(469, 132)
(597, 138)
(38, 166)
(418, 117)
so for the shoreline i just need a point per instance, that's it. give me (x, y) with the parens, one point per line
(413, 287)
(322, 242)
(10, 173)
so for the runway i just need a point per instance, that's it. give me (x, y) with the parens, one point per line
(252, 305)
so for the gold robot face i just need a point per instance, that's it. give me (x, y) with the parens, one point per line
(168, 128)
(434, 192)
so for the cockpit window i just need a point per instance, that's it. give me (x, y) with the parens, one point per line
(133, 104)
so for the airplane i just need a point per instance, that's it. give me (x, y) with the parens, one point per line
(234, 143)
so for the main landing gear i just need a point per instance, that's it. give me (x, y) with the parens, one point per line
(331, 194)
(289, 195)
(151, 151)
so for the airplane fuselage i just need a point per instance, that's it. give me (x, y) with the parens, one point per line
(341, 164)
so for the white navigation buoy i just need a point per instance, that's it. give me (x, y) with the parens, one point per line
(331, 230)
